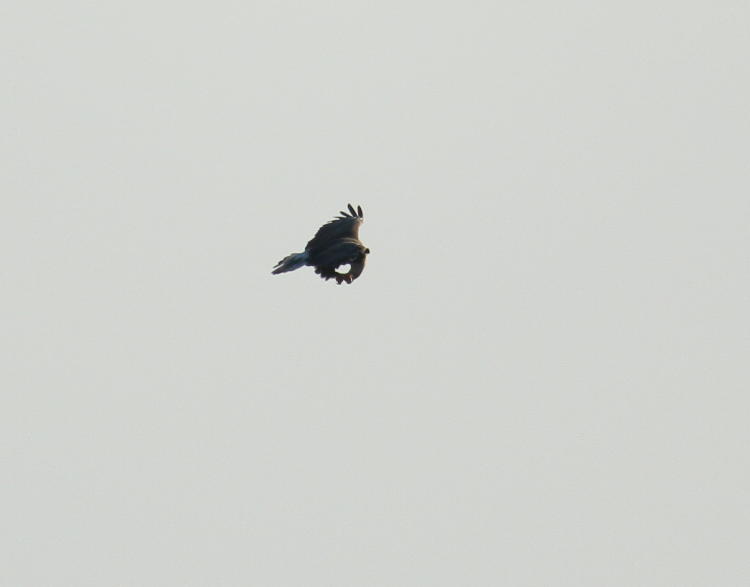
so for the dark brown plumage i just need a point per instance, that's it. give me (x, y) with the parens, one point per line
(335, 244)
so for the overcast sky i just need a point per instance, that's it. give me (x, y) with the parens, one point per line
(541, 377)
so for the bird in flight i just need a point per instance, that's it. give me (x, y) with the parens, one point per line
(335, 244)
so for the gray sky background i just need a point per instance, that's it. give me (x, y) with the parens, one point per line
(541, 377)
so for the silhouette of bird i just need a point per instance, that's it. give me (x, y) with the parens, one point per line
(335, 244)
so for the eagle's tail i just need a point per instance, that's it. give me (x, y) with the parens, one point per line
(290, 263)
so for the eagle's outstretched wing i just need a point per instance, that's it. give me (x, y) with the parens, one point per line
(344, 226)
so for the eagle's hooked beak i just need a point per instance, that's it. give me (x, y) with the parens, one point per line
(367, 251)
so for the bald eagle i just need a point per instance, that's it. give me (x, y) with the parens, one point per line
(334, 245)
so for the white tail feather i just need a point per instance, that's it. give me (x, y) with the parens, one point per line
(290, 263)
